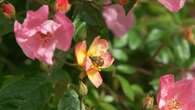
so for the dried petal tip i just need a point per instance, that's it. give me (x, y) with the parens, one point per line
(8, 10)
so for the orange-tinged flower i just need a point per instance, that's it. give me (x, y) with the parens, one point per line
(94, 59)
(62, 5)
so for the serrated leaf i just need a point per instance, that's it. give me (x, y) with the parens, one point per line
(26, 94)
(70, 101)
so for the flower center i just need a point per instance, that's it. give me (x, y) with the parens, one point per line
(173, 105)
(45, 38)
(97, 61)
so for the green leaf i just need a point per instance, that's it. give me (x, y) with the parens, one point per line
(119, 54)
(126, 87)
(134, 40)
(120, 42)
(181, 49)
(107, 106)
(30, 93)
(5, 25)
(165, 55)
(70, 101)
(127, 69)
(154, 35)
(81, 29)
(138, 91)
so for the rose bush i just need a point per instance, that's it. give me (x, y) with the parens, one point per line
(97, 55)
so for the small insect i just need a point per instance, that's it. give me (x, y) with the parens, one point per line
(97, 61)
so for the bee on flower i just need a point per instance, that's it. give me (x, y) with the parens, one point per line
(94, 59)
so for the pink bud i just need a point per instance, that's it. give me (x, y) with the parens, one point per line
(8, 10)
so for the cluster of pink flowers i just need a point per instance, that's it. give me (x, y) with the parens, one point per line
(39, 36)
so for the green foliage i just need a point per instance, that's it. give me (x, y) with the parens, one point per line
(29, 93)
(70, 101)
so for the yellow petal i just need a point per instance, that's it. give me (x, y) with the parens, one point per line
(98, 47)
(80, 52)
(95, 77)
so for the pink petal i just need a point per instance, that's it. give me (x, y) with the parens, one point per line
(65, 33)
(173, 5)
(80, 52)
(27, 44)
(98, 47)
(108, 60)
(87, 65)
(181, 91)
(95, 77)
(46, 51)
(116, 19)
(35, 18)
(48, 26)
(166, 82)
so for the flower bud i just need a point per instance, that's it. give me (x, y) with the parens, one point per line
(8, 10)
(62, 6)
(123, 2)
(189, 35)
(148, 103)
(83, 90)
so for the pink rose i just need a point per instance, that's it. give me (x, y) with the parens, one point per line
(176, 95)
(38, 36)
(116, 19)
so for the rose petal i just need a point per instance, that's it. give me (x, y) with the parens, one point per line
(35, 18)
(98, 47)
(166, 82)
(65, 33)
(108, 60)
(80, 52)
(116, 19)
(48, 26)
(95, 77)
(181, 92)
(46, 51)
(87, 65)
(28, 44)
(173, 5)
